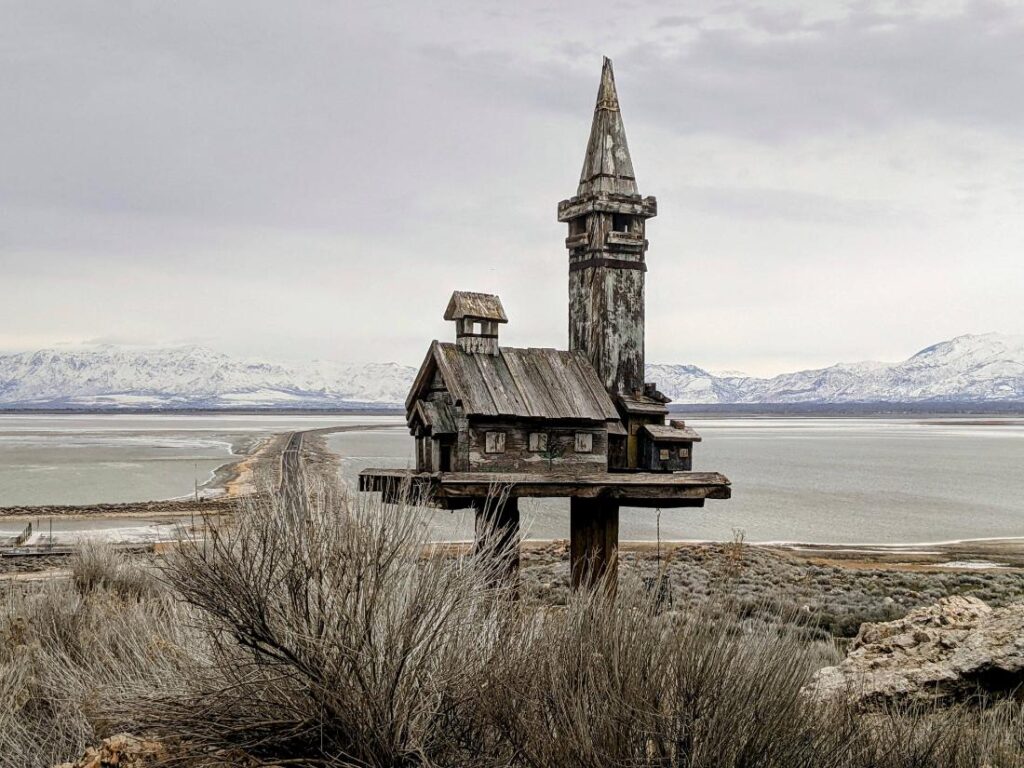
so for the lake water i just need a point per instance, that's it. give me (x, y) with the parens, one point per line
(841, 480)
(817, 480)
(85, 459)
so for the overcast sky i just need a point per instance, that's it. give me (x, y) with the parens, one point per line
(290, 180)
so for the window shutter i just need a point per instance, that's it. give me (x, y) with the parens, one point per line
(584, 442)
(494, 442)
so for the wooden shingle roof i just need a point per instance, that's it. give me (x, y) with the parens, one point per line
(482, 306)
(436, 416)
(663, 433)
(607, 166)
(518, 382)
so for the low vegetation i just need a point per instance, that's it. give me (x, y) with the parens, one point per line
(825, 600)
(334, 636)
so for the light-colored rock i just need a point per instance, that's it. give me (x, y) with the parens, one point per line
(950, 651)
(123, 751)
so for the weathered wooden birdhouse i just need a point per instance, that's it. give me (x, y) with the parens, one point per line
(477, 406)
(579, 423)
(667, 448)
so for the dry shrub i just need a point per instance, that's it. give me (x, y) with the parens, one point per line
(331, 633)
(336, 639)
(98, 564)
(339, 638)
(69, 658)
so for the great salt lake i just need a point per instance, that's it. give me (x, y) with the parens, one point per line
(819, 480)
(815, 480)
(87, 459)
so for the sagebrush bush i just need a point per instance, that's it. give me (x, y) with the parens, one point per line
(98, 564)
(70, 659)
(341, 637)
(334, 634)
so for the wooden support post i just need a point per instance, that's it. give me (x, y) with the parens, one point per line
(593, 540)
(502, 518)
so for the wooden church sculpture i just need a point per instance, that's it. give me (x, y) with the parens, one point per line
(580, 423)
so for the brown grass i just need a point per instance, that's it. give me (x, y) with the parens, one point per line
(322, 637)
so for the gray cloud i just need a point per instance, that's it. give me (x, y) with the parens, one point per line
(779, 77)
(313, 178)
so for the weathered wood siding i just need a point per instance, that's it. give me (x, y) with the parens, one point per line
(517, 456)
(651, 457)
(606, 322)
(606, 242)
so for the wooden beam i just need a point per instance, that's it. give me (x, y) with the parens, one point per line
(499, 518)
(593, 541)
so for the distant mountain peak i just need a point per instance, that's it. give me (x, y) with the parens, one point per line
(968, 368)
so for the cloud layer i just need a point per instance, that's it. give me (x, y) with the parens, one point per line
(835, 180)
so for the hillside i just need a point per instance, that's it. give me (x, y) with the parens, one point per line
(968, 369)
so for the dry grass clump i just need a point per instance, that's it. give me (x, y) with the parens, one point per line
(332, 634)
(334, 639)
(99, 565)
(70, 649)
(339, 638)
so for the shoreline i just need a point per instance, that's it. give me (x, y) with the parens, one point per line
(966, 555)
(230, 481)
(258, 458)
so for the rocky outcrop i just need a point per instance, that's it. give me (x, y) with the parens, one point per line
(952, 651)
(123, 751)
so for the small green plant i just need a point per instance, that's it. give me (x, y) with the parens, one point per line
(553, 449)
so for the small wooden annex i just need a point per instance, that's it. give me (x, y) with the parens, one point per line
(579, 423)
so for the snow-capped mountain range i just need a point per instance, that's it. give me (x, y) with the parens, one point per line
(967, 369)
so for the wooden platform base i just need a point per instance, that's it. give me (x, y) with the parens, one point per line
(595, 500)
(454, 490)
(593, 541)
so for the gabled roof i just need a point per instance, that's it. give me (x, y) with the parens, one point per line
(642, 404)
(483, 306)
(607, 166)
(517, 382)
(665, 434)
(435, 415)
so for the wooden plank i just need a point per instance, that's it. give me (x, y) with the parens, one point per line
(553, 385)
(593, 541)
(604, 408)
(477, 399)
(620, 479)
(499, 519)
(567, 383)
(449, 371)
(518, 373)
(490, 367)
(667, 490)
(423, 376)
(547, 408)
(510, 388)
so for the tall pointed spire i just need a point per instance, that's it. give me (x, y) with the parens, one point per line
(607, 166)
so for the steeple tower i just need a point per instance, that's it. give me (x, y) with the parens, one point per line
(607, 221)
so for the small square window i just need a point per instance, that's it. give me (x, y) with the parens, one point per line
(584, 442)
(663, 454)
(538, 442)
(684, 453)
(494, 442)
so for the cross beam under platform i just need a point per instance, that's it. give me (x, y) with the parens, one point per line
(454, 490)
(594, 506)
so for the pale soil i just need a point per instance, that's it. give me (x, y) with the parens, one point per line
(836, 596)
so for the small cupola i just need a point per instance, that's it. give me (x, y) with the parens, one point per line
(476, 316)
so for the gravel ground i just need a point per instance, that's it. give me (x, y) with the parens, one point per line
(755, 580)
